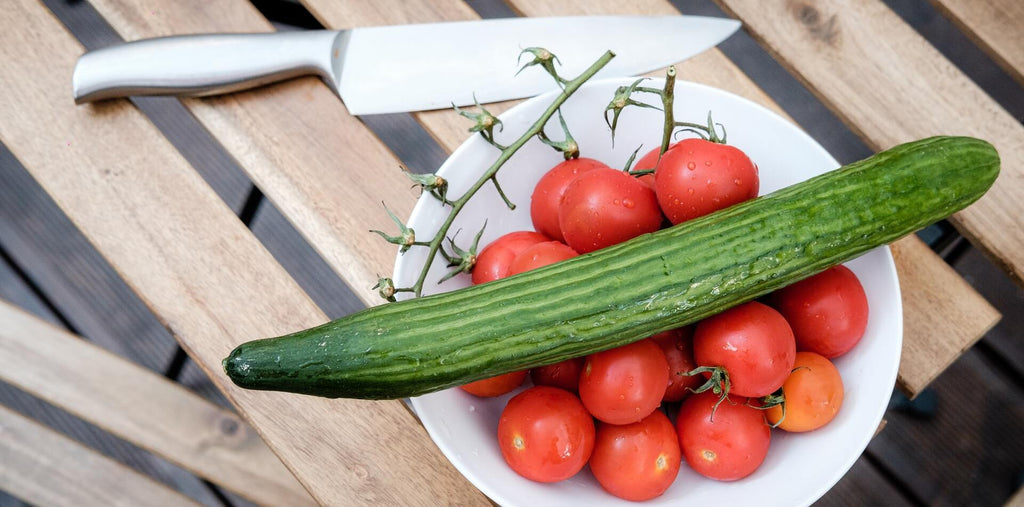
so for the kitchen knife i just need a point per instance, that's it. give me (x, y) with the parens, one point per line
(397, 68)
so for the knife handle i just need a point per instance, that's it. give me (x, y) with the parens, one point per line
(211, 64)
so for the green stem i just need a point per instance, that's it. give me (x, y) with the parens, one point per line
(667, 99)
(506, 153)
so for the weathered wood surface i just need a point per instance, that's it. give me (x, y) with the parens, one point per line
(143, 408)
(891, 86)
(45, 468)
(384, 11)
(192, 261)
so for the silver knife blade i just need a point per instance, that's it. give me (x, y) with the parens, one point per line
(397, 68)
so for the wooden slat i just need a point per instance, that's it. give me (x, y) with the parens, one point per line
(934, 339)
(925, 353)
(143, 408)
(43, 467)
(891, 86)
(198, 267)
(996, 26)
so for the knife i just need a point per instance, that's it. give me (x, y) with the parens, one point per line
(399, 68)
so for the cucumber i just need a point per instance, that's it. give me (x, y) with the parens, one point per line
(629, 291)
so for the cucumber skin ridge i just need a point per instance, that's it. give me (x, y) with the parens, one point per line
(626, 292)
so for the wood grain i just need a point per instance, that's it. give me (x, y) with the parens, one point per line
(933, 340)
(201, 271)
(43, 467)
(143, 408)
(997, 26)
(885, 81)
(926, 354)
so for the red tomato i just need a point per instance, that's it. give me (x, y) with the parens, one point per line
(828, 311)
(545, 434)
(677, 345)
(496, 386)
(492, 262)
(564, 375)
(813, 395)
(603, 207)
(636, 461)
(752, 342)
(696, 177)
(540, 255)
(625, 384)
(649, 162)
(727, 442)
(548, 193)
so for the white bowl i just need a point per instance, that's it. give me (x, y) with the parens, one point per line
(799, 467)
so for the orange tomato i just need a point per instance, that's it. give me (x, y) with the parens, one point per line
(813, 395)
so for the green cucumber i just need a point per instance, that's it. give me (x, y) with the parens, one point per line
(629, 291)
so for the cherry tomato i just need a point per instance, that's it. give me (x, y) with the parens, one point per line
(540, 255)
(813, 395)
(752, 342)
(548, 194)
(603, 207)
(625, 384)
(492, 262)
(677, 345)
(649, 162)
(636, 461)
(828, 311)
(496, 386)
(545, 434)
(727, 442)
(564, 374)
(696, 177)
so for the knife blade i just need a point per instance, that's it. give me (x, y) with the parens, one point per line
(399, 68)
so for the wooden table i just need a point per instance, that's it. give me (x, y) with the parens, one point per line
(176, 238)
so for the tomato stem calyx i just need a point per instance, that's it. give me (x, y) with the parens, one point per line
(718, 382)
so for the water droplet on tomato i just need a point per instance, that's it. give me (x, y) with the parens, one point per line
(628, 203)
(707, 163)
(615, 202)
(691, 165)
(690, 190)
(737, 182)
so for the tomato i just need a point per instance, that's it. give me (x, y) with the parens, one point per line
(636, 461)
(496, 386)
(540, 255)
(564, 374)
(492, 262)
(828, 311)
(677, 345)
(603, 207)
(649, 162)
(625, 384)
(548, 194)
(813, 394)
(545, 434)
(727, 442)
(752, 342)
(696, 177)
